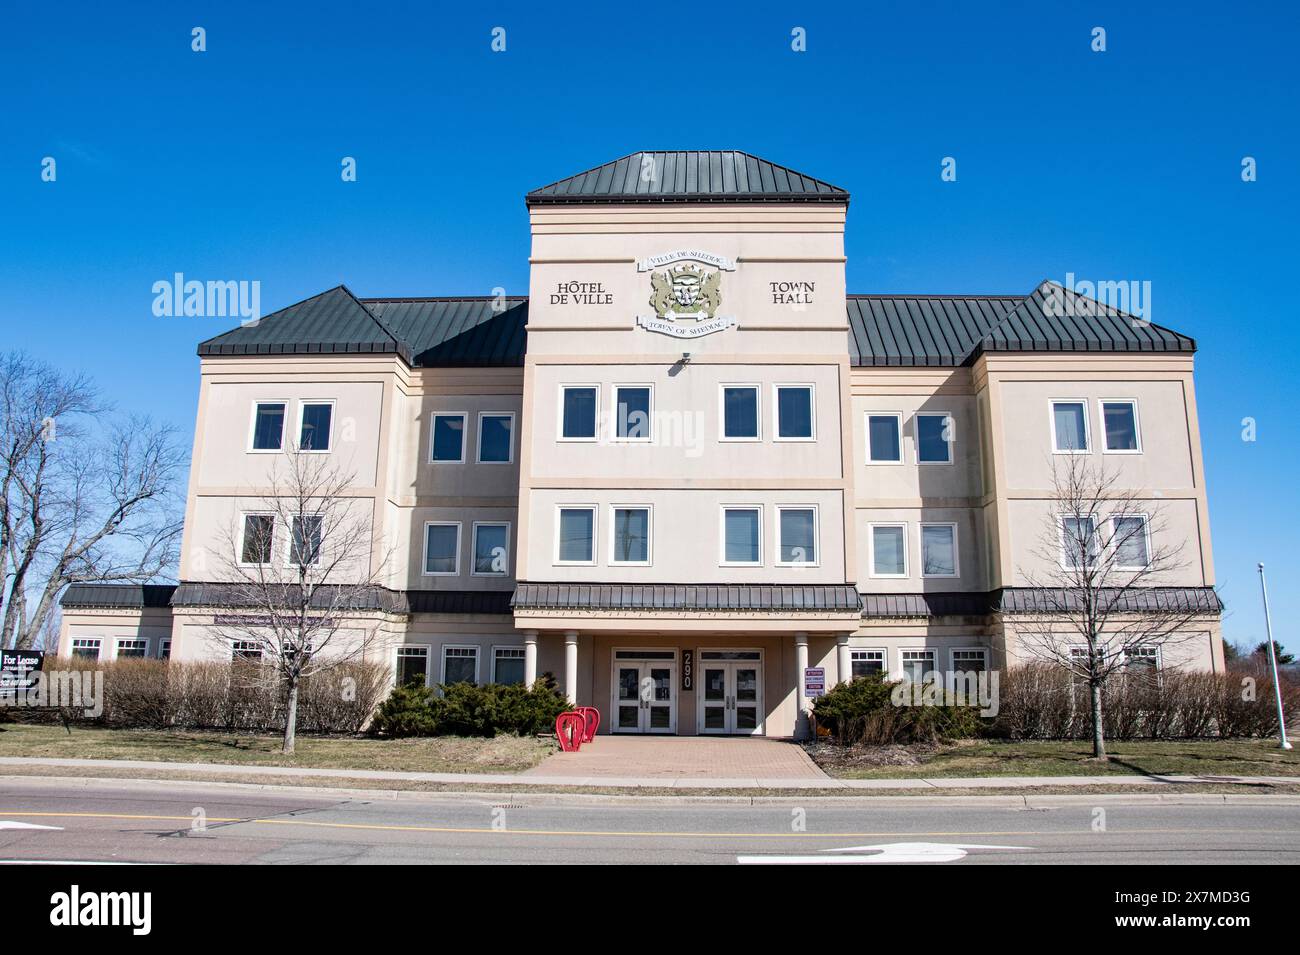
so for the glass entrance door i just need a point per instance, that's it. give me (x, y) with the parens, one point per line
(644, 695)
(731, 692)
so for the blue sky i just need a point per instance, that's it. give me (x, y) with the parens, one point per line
(225, 165)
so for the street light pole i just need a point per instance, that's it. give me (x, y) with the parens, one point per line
(1272, 662)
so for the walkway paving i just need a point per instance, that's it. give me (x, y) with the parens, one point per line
(670, 758)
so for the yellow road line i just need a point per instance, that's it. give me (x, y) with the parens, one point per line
(614, 833)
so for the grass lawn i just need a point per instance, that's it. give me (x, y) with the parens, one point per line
(1068, 758)
(446, 754)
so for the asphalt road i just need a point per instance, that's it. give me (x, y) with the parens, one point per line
(107, 820)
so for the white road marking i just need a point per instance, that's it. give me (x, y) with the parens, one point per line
(10, 824)
(885, 852)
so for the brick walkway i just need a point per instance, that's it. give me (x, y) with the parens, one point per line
(681, 757)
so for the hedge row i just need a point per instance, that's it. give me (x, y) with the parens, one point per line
(463, 709)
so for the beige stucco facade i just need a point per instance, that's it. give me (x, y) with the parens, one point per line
(780, 269)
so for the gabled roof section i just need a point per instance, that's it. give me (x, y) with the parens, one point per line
(457, 332)
(725, 175)
(939, 330)
(1053, 318)
(332, 322)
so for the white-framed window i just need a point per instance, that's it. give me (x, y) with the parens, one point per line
(491, 549)
(447, 438)
(629, 534)
(441, 548)
(633, 412)
(741, 535)
(1120, 431)
(797, 542)
(86, 647)
(865, 662)
(739, 417)
(411, 666)
(579, 405)
(496, 437)
(575, 534)
(884, 437)
(917, 665)
(508, 665)
(935, 436)
(1069, 425)
(165, 648)
(1142, 662)
(795, 412)
(970, 660)
(1131, 538)
(305, 540)
(1079, 545)
(266, 431)
(258, 540)
(247, 650)
(132, 648)
(316, 425)
(887, 555)
(939, 550)
(459, 665)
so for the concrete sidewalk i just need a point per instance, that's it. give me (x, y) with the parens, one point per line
(641, 782)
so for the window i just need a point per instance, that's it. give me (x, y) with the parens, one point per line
(796, 536)
(495, 438)
(934, 438)
(1078, 542)
(412, 666)
(794, 413)
(631, 535)
(578, 415)
(246, 651)
(742, 536)
(1142, 663)
(1070, 427)
(575, 540)
(740, 413)
(508, 665)
(259, 532)
(973, 660)
(305, 546)
(1132, 549)
(918, 665)
(447, 445)
(86, 648)
(314, 429)
(165, 649)
(866, 662)
(459, 665)
(442, 548)
(1119, 419)
(888, 555)
(131, 648)
(491, 550)
(938, 550)
(884, 444)
(268, 425)
(632, 412)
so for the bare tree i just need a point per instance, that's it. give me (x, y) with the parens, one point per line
(1104, 560)
(301, 571)
(82, 498)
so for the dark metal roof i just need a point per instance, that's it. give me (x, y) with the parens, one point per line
(807, 598)
(457, 332)
(725, 175)
(207, 594)
(117, 596)
(1044, 600)
(938, 330)
(926, 605)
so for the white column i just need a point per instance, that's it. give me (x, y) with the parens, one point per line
(571, 665)
(801, 695)
(530, 657)
(845, 661)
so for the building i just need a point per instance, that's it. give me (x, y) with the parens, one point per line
(709, 466)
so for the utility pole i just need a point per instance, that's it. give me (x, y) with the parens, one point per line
(1272, 662)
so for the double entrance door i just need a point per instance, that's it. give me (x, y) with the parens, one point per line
(645, 692)
(731, 692)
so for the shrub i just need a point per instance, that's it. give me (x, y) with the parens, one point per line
(464, 709)
(863, 712)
